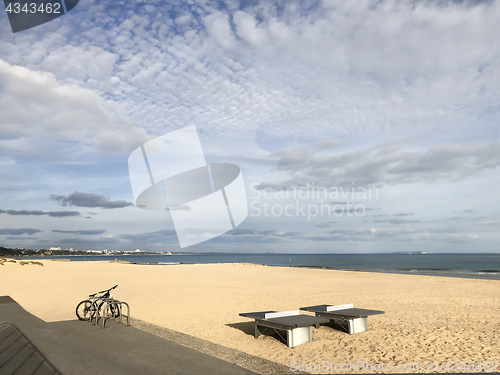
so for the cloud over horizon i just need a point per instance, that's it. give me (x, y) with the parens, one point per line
(80, 199)
(91, 232)
(384, 164)
(19, 231)
(58, 214)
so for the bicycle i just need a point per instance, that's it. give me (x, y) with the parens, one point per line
(90, 308)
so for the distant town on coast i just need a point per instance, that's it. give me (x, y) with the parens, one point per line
(57, 251)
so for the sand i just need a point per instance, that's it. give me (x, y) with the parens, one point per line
(427, 319)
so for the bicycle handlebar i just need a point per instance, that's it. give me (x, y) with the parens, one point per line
(104, 291)
(108, 290)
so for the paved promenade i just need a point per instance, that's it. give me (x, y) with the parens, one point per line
(76, 347)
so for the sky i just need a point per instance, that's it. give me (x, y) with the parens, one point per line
(359, 126)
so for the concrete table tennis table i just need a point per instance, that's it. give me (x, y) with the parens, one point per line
(298, 327)
(350, 319)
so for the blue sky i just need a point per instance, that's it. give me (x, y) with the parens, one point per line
(400, 97)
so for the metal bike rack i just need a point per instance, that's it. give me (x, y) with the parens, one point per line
(94, 319)
(119, 305)
(102, 309)
(128, 312)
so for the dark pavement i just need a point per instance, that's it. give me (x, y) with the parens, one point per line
(76, 347)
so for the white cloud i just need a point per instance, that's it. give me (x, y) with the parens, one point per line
(248, 29)
(80, 63)
(385, 68)
(451, 235)
(34, 103)
(384, 164)
(219, 28)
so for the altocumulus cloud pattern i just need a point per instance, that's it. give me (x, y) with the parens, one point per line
(205, 200)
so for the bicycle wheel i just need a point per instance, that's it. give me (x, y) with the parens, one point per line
(85, 310)
(115, 310)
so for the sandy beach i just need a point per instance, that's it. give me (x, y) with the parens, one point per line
(427, 319)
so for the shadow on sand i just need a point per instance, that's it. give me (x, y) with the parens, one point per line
(245, 327)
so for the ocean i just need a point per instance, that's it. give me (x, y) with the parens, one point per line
(477, 266)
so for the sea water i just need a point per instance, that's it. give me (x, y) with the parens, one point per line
(478, 266)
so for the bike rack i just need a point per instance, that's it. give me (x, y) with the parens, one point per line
(103, 306)
(119, 305)
(128, 312)
(94, 319)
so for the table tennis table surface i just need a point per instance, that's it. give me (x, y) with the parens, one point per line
(350, 312)
(291, 320)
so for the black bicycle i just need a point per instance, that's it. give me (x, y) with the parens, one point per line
(89, 308)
